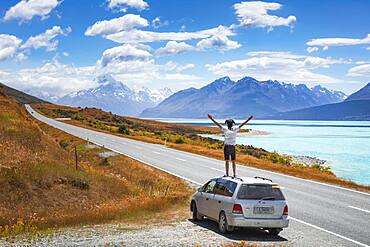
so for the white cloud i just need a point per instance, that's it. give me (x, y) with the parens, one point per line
(122, 5)
(368, 48)
(140, 36)
(218, 42)
(311, 49)
(185, 67)
(116, 25)
(157, 23)
(283, 66)
(275, 54)
(360, 70)
(255, 13)
(25, 10)
(53, 78)
(133, 63)
(125, 53)
(327, 42)
(172, 66)
(8, 46)
(174, 47)
(46, 39)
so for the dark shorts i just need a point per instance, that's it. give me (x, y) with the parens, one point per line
(229, 151)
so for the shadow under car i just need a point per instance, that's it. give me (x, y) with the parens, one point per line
(247, 234)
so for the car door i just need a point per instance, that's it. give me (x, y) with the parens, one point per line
(218, 200)
(224, 191)
(206, 197)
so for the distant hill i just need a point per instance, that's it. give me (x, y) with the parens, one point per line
(355, 107)
(347, 110)
(362, 94)
(19, 96)
(227, 98)
(114, 96)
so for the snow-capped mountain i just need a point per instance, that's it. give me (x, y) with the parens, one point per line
(114, 96)
(226, 98)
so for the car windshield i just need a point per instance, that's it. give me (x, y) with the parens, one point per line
(260, 192)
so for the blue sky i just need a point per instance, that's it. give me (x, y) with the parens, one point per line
(56, 47)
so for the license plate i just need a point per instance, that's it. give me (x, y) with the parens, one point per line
(263, 210)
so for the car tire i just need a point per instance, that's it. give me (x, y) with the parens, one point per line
(223, 226)
(196, 216)
(274, 231)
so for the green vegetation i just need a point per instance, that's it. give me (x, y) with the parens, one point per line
(123, 129)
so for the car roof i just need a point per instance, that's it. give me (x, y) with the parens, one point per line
(248, 180)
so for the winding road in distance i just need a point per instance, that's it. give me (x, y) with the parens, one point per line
(321, 214)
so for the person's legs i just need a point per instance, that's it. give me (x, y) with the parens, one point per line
(226, 156)
(233, 158)
(227, 167)
(234, 167)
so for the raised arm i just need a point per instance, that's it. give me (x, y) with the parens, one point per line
(217, 123)
(246, 121)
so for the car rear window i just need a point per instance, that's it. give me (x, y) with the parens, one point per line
(260, 191)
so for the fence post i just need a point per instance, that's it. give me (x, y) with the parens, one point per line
(76, 157)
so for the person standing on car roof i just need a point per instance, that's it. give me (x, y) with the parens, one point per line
(230, 140)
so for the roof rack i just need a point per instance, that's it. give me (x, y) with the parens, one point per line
(233, 178)
(257, 177)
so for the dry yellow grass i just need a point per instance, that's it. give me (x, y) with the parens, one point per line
(39, 182)
(183, 137)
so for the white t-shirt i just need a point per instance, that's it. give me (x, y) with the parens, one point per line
(230, 135)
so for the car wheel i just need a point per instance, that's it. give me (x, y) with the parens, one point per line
(196, 216)
(223, 226)
(275, 231)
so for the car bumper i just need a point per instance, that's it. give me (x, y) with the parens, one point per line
(241, 221)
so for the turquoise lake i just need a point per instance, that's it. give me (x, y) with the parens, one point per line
(344, 144)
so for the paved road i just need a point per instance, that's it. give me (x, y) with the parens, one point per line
(321, 214)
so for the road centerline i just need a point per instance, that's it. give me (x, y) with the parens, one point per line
(180, 159)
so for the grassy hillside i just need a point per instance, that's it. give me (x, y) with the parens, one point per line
(40, 186)
(186, 138)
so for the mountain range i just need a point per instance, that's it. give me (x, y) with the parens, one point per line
(114, 96)
(227, 98)
(355, 107)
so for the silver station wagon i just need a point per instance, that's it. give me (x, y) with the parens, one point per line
(241, 202)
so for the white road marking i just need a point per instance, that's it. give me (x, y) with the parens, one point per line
(330, 232)
(180, 159)
(360, 209)
(138, 147)
(156, 152)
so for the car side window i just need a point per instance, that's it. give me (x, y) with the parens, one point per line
(230, 188)
(210, 186)
(220, 187)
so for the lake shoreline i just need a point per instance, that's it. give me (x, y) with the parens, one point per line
(296, 159)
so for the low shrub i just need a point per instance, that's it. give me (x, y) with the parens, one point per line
(123, 129)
